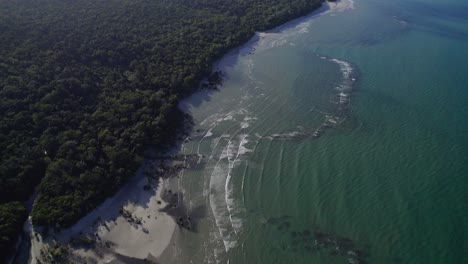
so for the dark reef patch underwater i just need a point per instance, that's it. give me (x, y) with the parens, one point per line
(316, 241)
(350, 128)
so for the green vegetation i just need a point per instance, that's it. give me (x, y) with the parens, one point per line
(53, 254)
(12, 216)
(86, 86)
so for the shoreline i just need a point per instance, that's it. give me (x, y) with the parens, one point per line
(120, 241)
(111, 235)
(244, 49)
(231, 58)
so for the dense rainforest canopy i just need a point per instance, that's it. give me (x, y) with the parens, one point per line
(87, 85)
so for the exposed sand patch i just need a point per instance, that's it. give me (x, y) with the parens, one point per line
(121, 241)
(143, 234)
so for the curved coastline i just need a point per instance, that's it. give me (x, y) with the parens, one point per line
(227, 61)
(113, 228)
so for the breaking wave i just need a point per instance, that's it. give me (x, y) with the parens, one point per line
(228, 137)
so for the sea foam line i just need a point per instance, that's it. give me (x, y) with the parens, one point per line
(237, 223)
(227, 153)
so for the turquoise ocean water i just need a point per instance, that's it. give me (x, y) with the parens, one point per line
(337, 138)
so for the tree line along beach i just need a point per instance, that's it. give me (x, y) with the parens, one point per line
(88, 86)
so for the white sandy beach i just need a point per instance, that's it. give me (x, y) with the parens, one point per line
(118, 240)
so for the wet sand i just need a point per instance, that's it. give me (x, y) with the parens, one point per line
(129, 227)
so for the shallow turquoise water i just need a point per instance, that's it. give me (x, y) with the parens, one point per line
(340, 138)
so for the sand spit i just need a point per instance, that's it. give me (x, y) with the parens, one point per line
(130, 227)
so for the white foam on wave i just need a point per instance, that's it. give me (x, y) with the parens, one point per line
(227, 152)
(230, 116)
(331, 119)
(215, 142)
(285, 136)
(227, 118)
(345, 67)
(208, 133)
(216, 120)
(246, 97)
(232, 207)
(242, 148)
(219, 209)
(303, 29)
(343, 97)
(236, 222)
(345, 87)
(224, 207)
(245, 124)
(283, 35)
(212, 120)
(250, 68)
(247, 121)
(222, 201)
